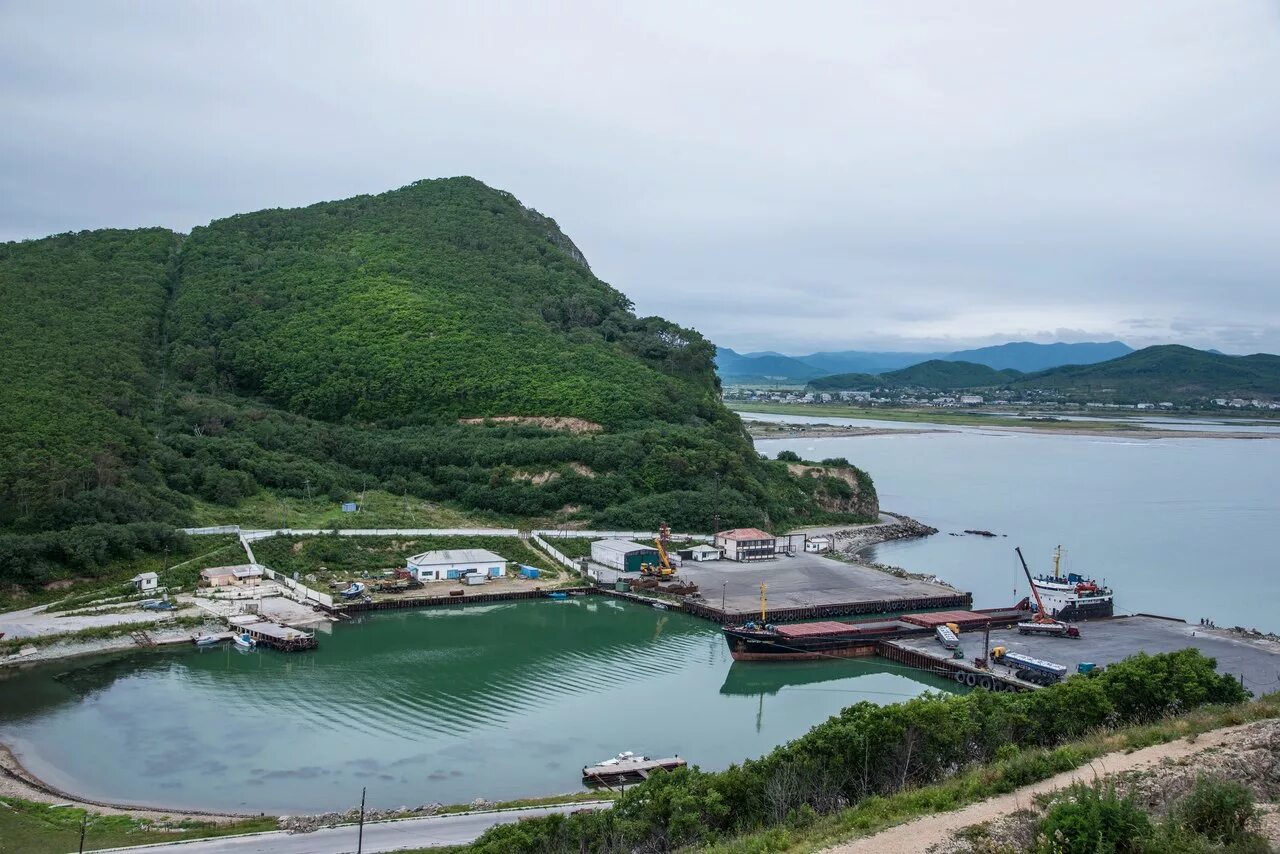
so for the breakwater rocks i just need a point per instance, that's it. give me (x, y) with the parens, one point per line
(855, 540)
(850, 544)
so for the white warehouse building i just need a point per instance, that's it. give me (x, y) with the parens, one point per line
(456, 563)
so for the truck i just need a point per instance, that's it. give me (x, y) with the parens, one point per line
(1028, 669)
(1055, 629)
(947, 637)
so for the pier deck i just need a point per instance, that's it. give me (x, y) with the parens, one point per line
(808, 586)
(1101, 642)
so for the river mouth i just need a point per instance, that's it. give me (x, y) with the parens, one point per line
(420, 706)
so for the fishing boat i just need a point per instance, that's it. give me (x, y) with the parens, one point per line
(1072, 596)
(558, 595)
(205, 640)
(356, 589)
(243, 641)
(658, 606)
(627, 767)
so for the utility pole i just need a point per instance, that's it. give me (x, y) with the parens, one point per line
(360, 836)
(84, 826)
(723, 590)
(307, 484)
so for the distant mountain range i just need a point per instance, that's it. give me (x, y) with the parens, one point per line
(1022, 356)
(1168, 372)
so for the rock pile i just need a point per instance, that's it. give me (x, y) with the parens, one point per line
(308, 823)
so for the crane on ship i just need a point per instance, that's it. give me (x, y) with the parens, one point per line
(1042, 623)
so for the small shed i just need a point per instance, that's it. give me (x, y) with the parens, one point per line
(349, 507)
(622, 555)
(246, 574)
(700, 552)
(145, 582)
(455, 564)
(817, 545)
(745, 544)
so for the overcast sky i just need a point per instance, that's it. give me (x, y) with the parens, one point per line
(785, 176)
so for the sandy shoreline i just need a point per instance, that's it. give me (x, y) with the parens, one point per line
(782, 430)
(16, 781)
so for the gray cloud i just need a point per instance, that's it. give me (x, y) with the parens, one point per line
(791, 178)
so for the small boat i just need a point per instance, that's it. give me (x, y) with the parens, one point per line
(658, 606)
(627, 767)
(245, 642)
(205, 640)
(557, 595)
(356, 589)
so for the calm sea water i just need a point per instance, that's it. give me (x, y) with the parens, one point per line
(511, 700)
(1182, 527)
(443, 705)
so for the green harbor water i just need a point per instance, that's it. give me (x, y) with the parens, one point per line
(449, 704)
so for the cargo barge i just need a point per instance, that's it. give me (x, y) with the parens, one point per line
(832, 639)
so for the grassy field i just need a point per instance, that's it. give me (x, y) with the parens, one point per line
(334, 558)
(175, 570)
(32, 828)
(925, 416)
(380, 510)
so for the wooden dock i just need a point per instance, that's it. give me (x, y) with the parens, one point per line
(274, 636)
(631, 770)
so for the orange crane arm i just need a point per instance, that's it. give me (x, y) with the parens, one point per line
(662, 553)
(1040, 616)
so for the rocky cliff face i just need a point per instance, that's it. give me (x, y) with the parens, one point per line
(842, 489)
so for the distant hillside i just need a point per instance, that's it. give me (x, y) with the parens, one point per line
(760, 366)
(1022, 356)
(1169, 372)
(949, 375)
(1166, 372)
(1026, 356)
(440, 341)
(934, 374)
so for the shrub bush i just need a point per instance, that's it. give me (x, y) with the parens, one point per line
(1093, 820)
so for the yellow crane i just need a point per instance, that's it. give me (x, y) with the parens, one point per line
(664, 569)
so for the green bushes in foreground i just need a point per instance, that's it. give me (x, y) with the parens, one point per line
(1094, 819)
(870, 752)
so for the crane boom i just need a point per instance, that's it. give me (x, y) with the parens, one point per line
(1041, 616)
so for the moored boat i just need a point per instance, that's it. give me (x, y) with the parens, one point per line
(243, 641)
(205, 640)
(627, 767)
(1073, 596)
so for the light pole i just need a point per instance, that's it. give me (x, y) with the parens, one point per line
(360, 836)
(723, 590)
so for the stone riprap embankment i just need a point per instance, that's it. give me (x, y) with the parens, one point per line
(851, 543)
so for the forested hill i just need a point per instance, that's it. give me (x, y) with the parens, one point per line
(933, 374)
(1168, 371)
(156, 380)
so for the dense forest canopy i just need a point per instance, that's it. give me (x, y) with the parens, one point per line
(338, 347)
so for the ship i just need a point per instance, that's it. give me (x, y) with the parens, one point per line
(1072, 596)
(804, 641)
(764, 641)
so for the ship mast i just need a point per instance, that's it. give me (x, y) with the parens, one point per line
(1057, 561)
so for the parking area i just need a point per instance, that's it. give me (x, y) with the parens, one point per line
(803, 581)
(1104, 642)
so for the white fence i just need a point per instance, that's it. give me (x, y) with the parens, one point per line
(219, 529)
(253, 536)
(301, 591)
(555, 553)
(614, 535)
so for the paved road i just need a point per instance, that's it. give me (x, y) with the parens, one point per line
(382, 836)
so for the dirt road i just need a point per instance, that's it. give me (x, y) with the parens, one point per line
(920, 834)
